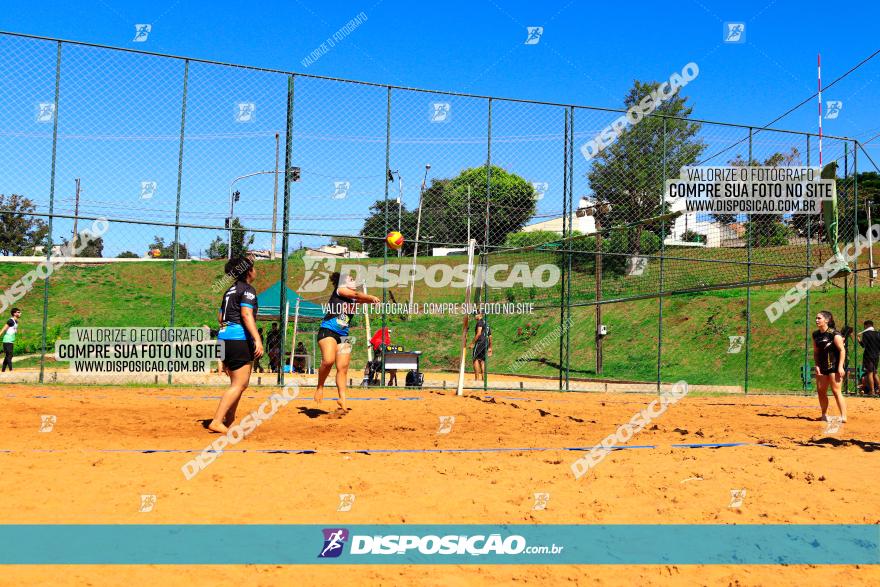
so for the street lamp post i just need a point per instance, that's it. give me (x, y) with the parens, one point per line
(292, 174)
(412, 283)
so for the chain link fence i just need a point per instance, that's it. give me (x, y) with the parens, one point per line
(190, 161)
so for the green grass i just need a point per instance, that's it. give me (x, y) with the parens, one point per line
(696, 326)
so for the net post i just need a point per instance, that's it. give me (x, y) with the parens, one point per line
(293, 335)
(806, 368)
(464, 329)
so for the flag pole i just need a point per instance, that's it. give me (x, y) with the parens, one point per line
(819, 72)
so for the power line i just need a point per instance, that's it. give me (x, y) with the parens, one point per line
(790, 110)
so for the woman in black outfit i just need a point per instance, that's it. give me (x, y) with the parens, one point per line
(240, 339)
(830, 356)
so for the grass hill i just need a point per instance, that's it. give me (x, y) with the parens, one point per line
(695, 333)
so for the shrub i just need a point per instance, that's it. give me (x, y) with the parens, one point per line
(767, 234)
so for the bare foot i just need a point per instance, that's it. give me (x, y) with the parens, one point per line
(337, 414)
(319, 395)
(218, 427)
(843, 420)
(824, 418)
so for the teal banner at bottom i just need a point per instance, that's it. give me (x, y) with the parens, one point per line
(630, 544)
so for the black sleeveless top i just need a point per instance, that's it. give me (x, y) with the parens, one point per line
(828, 353)
(340, 311)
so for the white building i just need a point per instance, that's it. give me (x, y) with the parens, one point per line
(334, 251)
(584, 224)
(716, 233)
(40, 251)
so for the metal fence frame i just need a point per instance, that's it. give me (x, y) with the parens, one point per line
(568, 165)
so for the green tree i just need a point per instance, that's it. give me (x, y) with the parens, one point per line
(374, 226)
(218, 249)
(768, 230)
(445, 207)
(627, 175)
(241, 241)
(127, 255)
(20, 231)
(351, 243)
(511, 202)
(91, 247)
(167, 251)
(869, 194)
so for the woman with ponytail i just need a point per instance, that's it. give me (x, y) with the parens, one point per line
(830, 356)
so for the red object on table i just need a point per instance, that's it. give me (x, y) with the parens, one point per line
(381, 337)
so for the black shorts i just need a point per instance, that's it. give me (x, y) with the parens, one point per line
(827, 370)
(479, 352)
(869, 364)
(237, 353)
(325, 332)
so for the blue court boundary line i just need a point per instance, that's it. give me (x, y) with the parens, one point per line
(396, 450)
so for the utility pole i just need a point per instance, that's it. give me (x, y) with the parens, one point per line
(275, 198)
(75, 218)
(598, 211)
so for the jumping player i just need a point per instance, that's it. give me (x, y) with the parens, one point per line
(341, 307)
(240, 339)
(830, 355)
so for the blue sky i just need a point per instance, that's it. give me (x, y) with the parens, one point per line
(119, 114)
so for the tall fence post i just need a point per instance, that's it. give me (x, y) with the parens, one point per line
(177, 206)
(285, 221)
(662, 255)
(385, 242)
(855, 234)
(565, 219)
(840, 236)
(750, 236)
(485, 255)
(51, 212)
(570, 254)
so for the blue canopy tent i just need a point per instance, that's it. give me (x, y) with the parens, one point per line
(269, 302)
